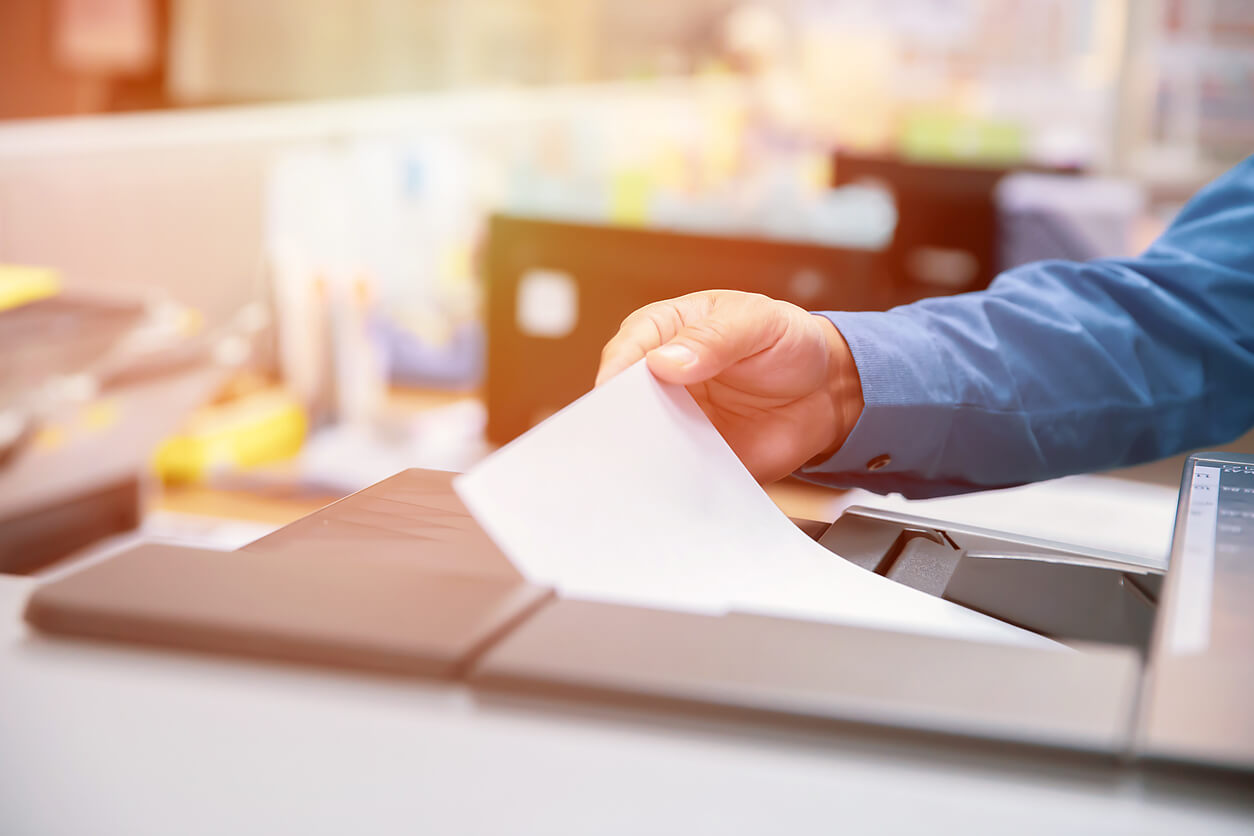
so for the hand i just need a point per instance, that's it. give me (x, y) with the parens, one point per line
(777, 382)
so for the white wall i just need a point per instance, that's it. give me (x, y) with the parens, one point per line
(175, 201)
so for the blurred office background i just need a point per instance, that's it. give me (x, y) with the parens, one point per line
(340, 237)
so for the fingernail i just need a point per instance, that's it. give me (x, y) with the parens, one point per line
(680, 355)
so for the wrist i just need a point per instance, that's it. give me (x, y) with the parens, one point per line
(844, 388)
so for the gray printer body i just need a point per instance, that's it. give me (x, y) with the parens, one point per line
(1131, 695)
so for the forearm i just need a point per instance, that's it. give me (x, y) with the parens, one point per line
(1061, 367)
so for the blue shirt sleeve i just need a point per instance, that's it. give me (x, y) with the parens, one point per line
(1062, 367)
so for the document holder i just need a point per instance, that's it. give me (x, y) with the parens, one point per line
(397, 577)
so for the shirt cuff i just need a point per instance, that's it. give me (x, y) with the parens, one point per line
(908, 402)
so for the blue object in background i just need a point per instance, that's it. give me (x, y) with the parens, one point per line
(457, 363)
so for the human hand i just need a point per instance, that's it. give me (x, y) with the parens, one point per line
(778, 383)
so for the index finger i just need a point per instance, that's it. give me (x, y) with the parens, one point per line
(640, 333)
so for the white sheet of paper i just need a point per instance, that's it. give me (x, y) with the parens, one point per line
(1094, 511)
(630, 495)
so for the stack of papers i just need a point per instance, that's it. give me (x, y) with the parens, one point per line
(630, 495)
(1133, 519)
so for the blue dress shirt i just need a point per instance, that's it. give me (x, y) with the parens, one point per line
(1062, 367)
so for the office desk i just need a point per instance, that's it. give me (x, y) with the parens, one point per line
(108, 739)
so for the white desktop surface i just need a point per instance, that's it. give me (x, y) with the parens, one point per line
(104, 739)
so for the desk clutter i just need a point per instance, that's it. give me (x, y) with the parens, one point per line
(88, 382)
(432, 596)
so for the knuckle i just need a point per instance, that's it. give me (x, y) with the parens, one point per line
(713, 334)
(710, 330)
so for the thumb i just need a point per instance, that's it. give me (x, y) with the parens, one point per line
(705, 348)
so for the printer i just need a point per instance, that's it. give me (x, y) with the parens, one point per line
(400, 578)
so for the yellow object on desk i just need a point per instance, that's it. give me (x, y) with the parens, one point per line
(22, 285)
(255, 429)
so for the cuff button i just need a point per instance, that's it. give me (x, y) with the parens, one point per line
(879, 462)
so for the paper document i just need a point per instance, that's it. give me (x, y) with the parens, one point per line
(1099, 512)
(630, 495)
